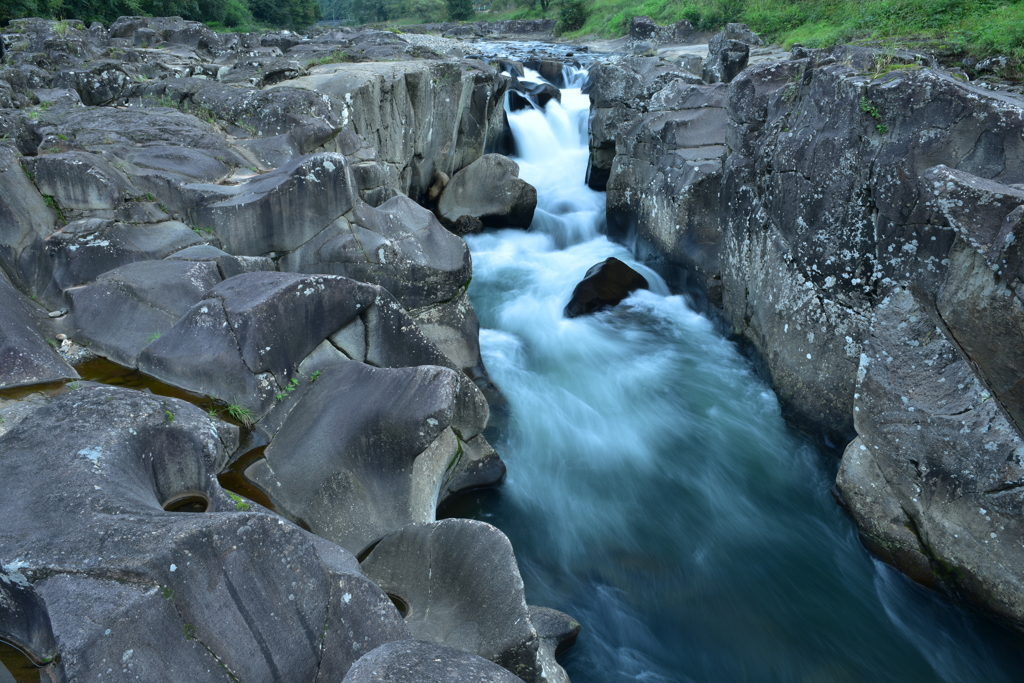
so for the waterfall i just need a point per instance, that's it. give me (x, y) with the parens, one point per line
(654, 491)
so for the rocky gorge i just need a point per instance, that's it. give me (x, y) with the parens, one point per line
(241, 369)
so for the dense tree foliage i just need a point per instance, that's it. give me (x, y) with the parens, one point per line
(241, 14)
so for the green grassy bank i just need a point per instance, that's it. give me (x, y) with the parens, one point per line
(977, 27)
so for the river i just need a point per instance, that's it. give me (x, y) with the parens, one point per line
(654, 491)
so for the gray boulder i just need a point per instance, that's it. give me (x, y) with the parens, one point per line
(25, 221)
(244, 341)
(84, 249)
(364, 452)
(228, 265)
(415, 661)
(123, 562)
(460, 583)
(80, 181)
(304, 196)
(128, 308)
(489, 189)
(605, 285)
(25, 356)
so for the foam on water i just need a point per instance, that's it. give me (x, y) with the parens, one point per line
(654, 491)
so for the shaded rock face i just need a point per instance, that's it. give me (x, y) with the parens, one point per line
(823, 212)
(664, 186)
(934, 477)
(428, 567)
(489, 189)
(25, 356)
(605, 285)
(119, 573)
(422, 117)
(619, 95)
(644, 28)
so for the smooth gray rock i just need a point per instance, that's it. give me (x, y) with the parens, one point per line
(460, 582)
(489, 189)
(399, 245)
(25, 356)
(167, 594)
(80, 181)
(84, 249)
(936, 474)
(24, 622)
(278, 211)
(25, 221)
(244, 341)
(228, 265)
(363, 452)
(128, 308)
(415, 661)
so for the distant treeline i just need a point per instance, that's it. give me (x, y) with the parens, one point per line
(421, 11)
(220, 14)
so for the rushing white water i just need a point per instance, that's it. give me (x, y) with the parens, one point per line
(654, 491)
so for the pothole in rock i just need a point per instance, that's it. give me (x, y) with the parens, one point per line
(188, 502)
(15, 667)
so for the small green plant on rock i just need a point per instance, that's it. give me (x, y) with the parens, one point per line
(190, 632)
(871, 110)
(240, 504)
(170, 416)
(289, 388)
(316, 373)
(336, 57)
(243, 415)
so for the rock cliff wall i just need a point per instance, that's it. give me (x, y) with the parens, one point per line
(856, 217)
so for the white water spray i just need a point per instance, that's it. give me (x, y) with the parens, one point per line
(654, 491)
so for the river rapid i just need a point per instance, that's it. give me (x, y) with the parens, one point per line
(655, 493)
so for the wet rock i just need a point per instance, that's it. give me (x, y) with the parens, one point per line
(558, 632)
(363, 452)
(415, 661)
(489, 189)
(461, 585)
(467, 225)
(122, 566)
(525, 94)
(605, 284)
(128, 308)
(934, 478)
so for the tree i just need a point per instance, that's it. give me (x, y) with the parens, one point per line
(460, 10)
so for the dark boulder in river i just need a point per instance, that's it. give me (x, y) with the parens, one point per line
(606, 284)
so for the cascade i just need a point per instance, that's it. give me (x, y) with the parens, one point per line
(655, 492)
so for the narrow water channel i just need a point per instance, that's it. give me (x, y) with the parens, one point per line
(654, 491)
